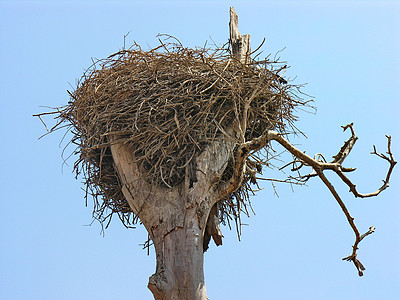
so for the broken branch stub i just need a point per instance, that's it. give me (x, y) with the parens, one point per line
(240, 44)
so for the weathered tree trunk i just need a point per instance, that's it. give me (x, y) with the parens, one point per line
(176, 218)
(179, 273)
(182, 219)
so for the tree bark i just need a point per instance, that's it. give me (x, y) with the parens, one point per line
(179, 273)
(240, 43)
(176, 218)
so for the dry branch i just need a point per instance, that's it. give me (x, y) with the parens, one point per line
(319, 165)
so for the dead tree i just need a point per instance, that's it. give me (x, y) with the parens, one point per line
(177, 137)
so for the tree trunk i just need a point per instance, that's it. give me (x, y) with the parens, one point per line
(176, 218)
(179, 273)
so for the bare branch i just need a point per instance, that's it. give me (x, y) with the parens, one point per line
(319, 157)
(319, 164)
(350, 219)
(291, 180)
(353, 256)
(348, 145)
(385, 184)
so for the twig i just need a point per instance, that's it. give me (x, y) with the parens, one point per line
(353, 256)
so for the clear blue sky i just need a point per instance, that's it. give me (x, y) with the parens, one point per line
(349, 54)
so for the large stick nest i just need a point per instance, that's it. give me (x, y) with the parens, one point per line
(168, 104)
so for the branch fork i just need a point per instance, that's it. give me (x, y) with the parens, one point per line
(319, 165)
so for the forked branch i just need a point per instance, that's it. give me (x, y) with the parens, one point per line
(319, 165)
(336, 165)
(389, 158)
